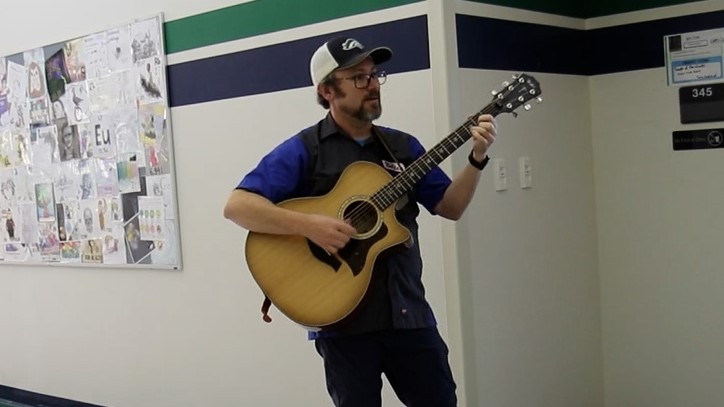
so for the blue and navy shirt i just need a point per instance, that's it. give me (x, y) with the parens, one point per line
(310, 163)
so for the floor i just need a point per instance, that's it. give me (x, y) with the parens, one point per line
(8, 403)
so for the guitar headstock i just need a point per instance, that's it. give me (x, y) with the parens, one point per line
(517, 93)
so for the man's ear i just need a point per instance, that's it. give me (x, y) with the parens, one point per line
(326, 91)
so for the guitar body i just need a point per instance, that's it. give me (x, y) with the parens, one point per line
(305, 283)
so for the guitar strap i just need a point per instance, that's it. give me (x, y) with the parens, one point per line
(265, 309)
(378, 134)
(403, 199)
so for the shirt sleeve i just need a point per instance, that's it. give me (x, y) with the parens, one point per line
(432, 186)
(279, 175)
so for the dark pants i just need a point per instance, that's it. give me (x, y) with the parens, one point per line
(413, 360)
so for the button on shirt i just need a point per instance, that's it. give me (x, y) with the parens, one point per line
(396, 295)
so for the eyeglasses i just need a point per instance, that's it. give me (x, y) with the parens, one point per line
(362, 80)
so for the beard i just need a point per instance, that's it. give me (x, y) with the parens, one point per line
(368, 110)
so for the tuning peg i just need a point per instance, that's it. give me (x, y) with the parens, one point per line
(494, 92)
(506, 83)
(527, 107)
(539, 99)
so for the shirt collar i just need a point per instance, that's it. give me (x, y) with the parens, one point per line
(329, 127)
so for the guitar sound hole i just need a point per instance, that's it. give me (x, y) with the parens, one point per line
(362, 215)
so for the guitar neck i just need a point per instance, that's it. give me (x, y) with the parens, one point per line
(405, 181)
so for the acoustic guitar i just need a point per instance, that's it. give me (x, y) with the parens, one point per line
(318, 290)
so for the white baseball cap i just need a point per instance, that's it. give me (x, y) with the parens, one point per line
(342, 53)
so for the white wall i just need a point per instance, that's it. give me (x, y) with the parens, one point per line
(528, 257)
(660, 233)
(532, 286)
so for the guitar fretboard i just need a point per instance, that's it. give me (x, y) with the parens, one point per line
(405, 181)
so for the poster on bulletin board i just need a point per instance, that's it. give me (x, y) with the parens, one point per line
(86, 153)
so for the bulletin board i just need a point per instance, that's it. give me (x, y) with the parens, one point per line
(86, 152)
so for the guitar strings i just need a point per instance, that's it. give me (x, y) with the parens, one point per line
(364, 212)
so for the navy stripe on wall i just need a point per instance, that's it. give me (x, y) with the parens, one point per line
(28, 398)
(487, 43)
(641, 45)
(286, 66)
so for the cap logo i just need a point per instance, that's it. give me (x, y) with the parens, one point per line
(350, 44)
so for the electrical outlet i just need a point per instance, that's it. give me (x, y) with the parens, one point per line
(525, 172)
(501, 177)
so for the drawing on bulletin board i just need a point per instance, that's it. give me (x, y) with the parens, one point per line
(86, 153)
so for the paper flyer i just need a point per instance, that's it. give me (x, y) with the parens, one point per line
(17, 83)
(69, 141)
(96, 57)
(77, 102)
(48, 242)
(128, 177)
(92, 251)
(114, 248)
(118, 48)
(56, 75)
(74, 60)
(153, 135)
(45, 202)
(107, 177)
(146, 39)
(103, 135)
(695, 56)
(160, 186)
(86, 168)
(151, 219)
(70, 252)
(150, 75)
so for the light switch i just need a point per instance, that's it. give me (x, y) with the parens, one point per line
(501, 178)
(526, 173)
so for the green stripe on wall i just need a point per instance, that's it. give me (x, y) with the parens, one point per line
(603, 8)
(571, 8)
(581, 9)
(261, 17)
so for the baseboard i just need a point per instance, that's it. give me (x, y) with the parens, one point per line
(30, 398)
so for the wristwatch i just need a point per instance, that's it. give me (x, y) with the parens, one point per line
(480, 165)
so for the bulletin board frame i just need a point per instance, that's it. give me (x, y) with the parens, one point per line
(87, 175)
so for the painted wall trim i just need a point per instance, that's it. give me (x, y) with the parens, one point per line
(286, 66)
(580, 9)
(262, 17)
(517, 46)
(509, 46)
